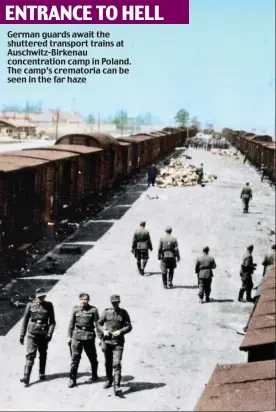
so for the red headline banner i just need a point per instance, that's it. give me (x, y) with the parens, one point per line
(94, 12)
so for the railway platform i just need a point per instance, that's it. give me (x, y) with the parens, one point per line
(176, 342)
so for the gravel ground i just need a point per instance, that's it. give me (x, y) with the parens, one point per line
(176, 342)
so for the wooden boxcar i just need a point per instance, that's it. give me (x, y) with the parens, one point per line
(90, 164)
(21, 200)
(113, 153)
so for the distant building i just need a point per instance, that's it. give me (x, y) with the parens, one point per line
(17, 127)
(45, 118)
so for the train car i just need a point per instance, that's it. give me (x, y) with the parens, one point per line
(147, 148)
(113, 166)
(268, 158)
(21, 198)
(59, 185)
(89, 174)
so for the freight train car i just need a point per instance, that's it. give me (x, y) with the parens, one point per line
(260, 149)
(113, 154)
(44, 185)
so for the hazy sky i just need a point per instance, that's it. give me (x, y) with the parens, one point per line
(221, 67)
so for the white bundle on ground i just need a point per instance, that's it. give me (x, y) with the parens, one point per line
(177, 173)
(227, 153)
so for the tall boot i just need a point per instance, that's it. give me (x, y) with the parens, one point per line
(240, 297)
(144, 264)
(139, 266)
(95, 371)
(27, 375)
(164, 278)
(170, 280)
(42, 366)
(117, 384)
(109, 377)
(73, 377)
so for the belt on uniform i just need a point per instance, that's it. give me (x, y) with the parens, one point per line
(39, 322)
(85, 328)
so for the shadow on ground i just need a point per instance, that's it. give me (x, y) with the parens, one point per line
(185, 287)
(153, 273)
(141, 386)
(222, 300)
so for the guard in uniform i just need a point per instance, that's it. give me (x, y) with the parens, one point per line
(113, 324)
(152, 173)
(81, 335)
(204, 270)
(246, 196)
(247, 269)
(269, 259)
(39, 320)
(168, 254)
(200, 174)
(141, 245)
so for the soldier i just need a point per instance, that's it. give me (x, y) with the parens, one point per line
(39, 319)
(168, 253)
(204, 270)
(263, 172)
(200, 174)
(246, 196)
(245, 156)
(152, 173)
(81, 335)
(247, 269)
(141, 245)
(113, 324)
(269, 259)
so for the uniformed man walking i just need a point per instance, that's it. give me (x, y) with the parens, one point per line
(246, 196)
(113, 324)
(247, 269)
(200, 174)
(204, 270)
(263, 172)
(141, 245)
(168, 254)
(39, 323)
(152, 173)
(269, 259)
(81, 335)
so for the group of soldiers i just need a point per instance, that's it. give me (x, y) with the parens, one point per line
(168, 254)
(85, 324)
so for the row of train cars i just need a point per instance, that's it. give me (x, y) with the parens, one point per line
(41, 186)
(259, 149)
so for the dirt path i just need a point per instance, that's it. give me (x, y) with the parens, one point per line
(176, 342)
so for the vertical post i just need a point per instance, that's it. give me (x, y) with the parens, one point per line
(122, 120)
(57, 122)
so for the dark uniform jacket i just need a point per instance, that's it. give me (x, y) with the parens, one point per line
(152, 172)
(40, 317)
(204, 266)
(168, 247)
(141, 240)
(83, 322)
(111, 321)
(246, 193)
(200, 171)
(247, 266)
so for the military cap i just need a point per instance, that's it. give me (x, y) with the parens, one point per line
(206, 249)
(168, 229)
(84, 295)
(143, 224)
(40, 292)
(250, 247)
(115, 298)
